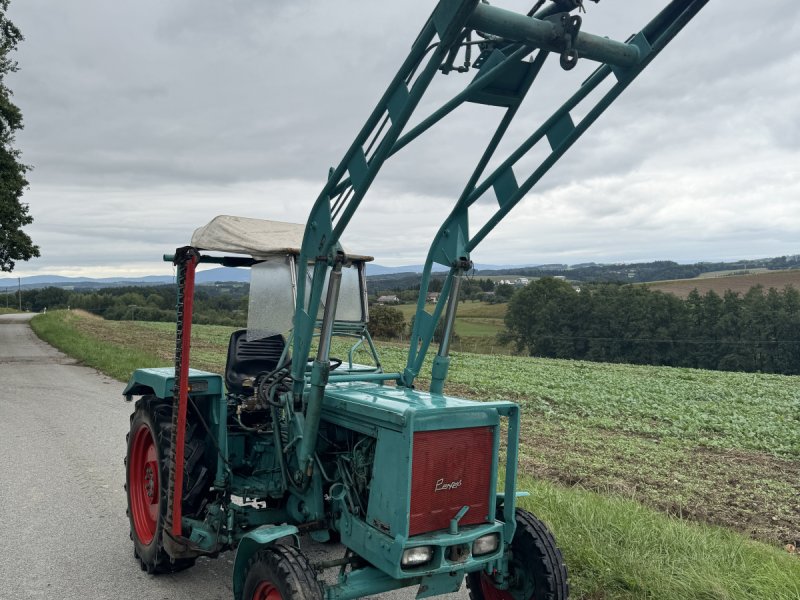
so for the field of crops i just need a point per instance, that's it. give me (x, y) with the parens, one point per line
(713, 446)
(477, 326)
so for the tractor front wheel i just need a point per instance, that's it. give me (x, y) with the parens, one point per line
(536, 567)
(280, 573)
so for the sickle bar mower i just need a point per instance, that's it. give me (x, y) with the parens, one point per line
(287, 442)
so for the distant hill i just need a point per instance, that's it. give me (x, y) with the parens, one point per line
(373, 269)
(600, 273)
(645, 272)
(406, 276)
(58, 280)
(218, 274)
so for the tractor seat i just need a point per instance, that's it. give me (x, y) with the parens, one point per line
(248, 359)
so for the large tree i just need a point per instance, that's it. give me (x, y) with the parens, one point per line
(15, 244)
(542, 317)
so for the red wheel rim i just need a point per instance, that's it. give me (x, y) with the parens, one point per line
(266, 591)
(492, 593)
(143, 487)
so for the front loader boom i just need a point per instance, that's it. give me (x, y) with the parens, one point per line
(513, 49)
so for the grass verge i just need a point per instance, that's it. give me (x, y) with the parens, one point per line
(617, 549)
(61, 329)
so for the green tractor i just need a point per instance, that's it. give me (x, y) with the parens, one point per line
(305, 433)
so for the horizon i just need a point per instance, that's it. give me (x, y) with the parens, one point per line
(10, 280)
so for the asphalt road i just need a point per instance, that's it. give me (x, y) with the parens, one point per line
(63, 528)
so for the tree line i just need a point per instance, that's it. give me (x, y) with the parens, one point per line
(406, 287)
(644, 272)
(757, 331)
(221, 304)
(659, 270)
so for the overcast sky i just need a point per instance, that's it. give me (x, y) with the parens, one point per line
(145, 119)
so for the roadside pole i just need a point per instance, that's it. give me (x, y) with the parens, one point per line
(19, 292)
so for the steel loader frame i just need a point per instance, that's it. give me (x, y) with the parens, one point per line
(321, 406)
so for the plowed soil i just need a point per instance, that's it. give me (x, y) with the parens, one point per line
(736, 283)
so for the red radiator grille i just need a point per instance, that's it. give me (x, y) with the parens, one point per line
(451, 468)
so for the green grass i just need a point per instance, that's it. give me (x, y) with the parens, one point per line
(482, 310)
(8, 311)
(477, 326)
(465, 309)
(617, 549)
(60, 329)
(709, 408)
(698, 446)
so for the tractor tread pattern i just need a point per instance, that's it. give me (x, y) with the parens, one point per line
(547, 568)
(160, 415)
(290, 571)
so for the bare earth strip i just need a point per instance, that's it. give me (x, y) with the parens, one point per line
(752, 492)
(736, 283)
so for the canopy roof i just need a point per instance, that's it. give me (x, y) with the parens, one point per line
(256, 237)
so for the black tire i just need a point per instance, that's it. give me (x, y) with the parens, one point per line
(281, 569)
(537, 567)
(153, 416)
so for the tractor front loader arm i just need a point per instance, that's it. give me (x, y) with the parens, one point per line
(513, 49)
(453, 242)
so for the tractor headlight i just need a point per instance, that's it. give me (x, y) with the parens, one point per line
(419, 555)
(485, 544)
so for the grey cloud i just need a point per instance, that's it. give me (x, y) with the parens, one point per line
(173, 112)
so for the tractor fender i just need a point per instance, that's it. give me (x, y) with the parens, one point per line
(252, 542)
(160, 382)
(156, 382)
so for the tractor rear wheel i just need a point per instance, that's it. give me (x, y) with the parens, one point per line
(280, 573)
(146, 477)
(537, 570)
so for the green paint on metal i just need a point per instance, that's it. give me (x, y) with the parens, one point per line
(357, 167)
(450, 16)
(508, 86)
(453, 240)
(559, 132)
(161, 382)
(397, 102)
(505, 186)
(640, 41)
(436, 585)
(441, 364)
(365, 582)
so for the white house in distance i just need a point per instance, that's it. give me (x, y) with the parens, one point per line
(388, 300)
(518, 282)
